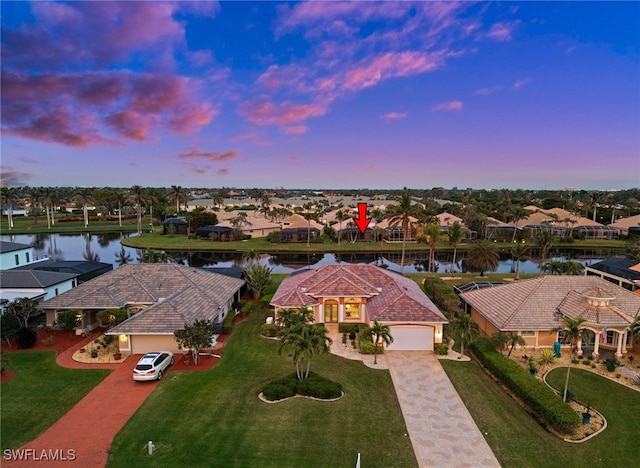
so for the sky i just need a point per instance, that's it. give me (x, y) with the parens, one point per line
(321, 94)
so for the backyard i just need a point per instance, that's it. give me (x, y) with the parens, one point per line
(518, 440)
(216, 415)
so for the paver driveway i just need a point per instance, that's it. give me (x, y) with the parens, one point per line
(441, 429)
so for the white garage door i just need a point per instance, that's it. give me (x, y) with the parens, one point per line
(411, 338)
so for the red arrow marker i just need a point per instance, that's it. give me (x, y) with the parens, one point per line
(362, 221)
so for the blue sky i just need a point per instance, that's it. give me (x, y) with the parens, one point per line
(321, 94)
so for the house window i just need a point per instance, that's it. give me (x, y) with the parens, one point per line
(561, 337)
(528, 333)
(56, 291)
(331, 311)
(27, 257)
(17, 257)
(352, 308)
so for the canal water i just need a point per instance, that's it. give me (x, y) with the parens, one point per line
(107, 248)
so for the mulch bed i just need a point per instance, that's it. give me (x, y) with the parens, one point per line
(55, 340)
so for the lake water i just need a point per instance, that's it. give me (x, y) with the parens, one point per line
(106, 248)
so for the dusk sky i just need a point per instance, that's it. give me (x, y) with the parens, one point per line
(321, 94)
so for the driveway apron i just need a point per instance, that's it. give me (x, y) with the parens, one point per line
(442, 432)
(87, 430)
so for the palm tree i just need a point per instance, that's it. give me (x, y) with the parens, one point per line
(466, 328)
(379, 332)
(122, 257)
(572, 333)
(177, 194)
(455, 236)
(553, 267)
(482, 256)
(432, 232)
(513, 340)
(45, 198)
(340, 216)
(518, 214)
(120, 198)
(304, 340)
(544, 240)
(308, 207)
(401, 216)
(9, 197)
(518, 253)
(136, 196)
(250, 256)
(238, 223)
(85, 196)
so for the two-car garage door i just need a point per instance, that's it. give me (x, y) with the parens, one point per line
(411, 338)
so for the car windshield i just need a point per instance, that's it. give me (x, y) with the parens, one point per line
(143, 367)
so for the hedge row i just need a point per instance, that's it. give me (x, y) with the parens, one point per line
(442, 295)
(349, 327)
(540, 398)
(313, 386)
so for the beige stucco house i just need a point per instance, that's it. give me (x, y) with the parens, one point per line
(159, 299)
(361, 293)
(533, 307)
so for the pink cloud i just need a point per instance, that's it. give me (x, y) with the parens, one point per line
(447, 106)
(390, 116)
(208, 155)
(13, 177)
(86, 108)
(264, 112)
(487, 91)
(295, 130)
(390, 65)
(502, 31)
(520, 83)
(293, 158)
(28, 160)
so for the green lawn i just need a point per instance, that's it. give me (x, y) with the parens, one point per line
(517, 440)
(39, 394)
(214, 418)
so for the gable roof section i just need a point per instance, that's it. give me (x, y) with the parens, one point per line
(534, 304)
(145, 284)
(391, 297)
(576, 306)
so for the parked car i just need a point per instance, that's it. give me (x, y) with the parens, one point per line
(152, 365)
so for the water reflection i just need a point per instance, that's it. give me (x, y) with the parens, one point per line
(107, 248)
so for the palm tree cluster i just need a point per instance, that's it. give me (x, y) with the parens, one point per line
(303, 340)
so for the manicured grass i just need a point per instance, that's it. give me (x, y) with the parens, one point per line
(158, 241)
(39, 394)
(518, 440)
(215, 418)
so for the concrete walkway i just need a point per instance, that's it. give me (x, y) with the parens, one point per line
(441, 429)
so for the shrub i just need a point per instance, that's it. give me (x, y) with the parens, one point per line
(26, 338)
(541, 399)
(441, 349)
(348, 327)
(49, 341)
(269, 329)
(575, 361)
(313, 386)
(586, 362)
(547, 357)
(367, 347)
(618, 375)
(611, 364)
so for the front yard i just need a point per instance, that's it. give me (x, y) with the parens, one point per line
(518, 440)
(216, 415)
(39, 394)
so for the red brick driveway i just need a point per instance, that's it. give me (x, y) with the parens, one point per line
(86, 431)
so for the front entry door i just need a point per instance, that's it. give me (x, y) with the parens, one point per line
(331, 313)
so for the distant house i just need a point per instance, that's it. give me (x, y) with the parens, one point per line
(532, 308)
(177, 225)
(14, 254)
(216, 232)
(15, 211)
(564, 223)
(627, 226)
(159, 299)
(625, 272)
(34, 284)
(296, 228)
(361, 294)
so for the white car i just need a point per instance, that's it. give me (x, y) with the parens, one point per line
(152, 365)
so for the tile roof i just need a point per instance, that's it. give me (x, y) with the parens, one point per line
(534, 304)
(391, 297)
(180, 292)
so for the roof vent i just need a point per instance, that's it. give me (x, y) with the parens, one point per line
(161, 299)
